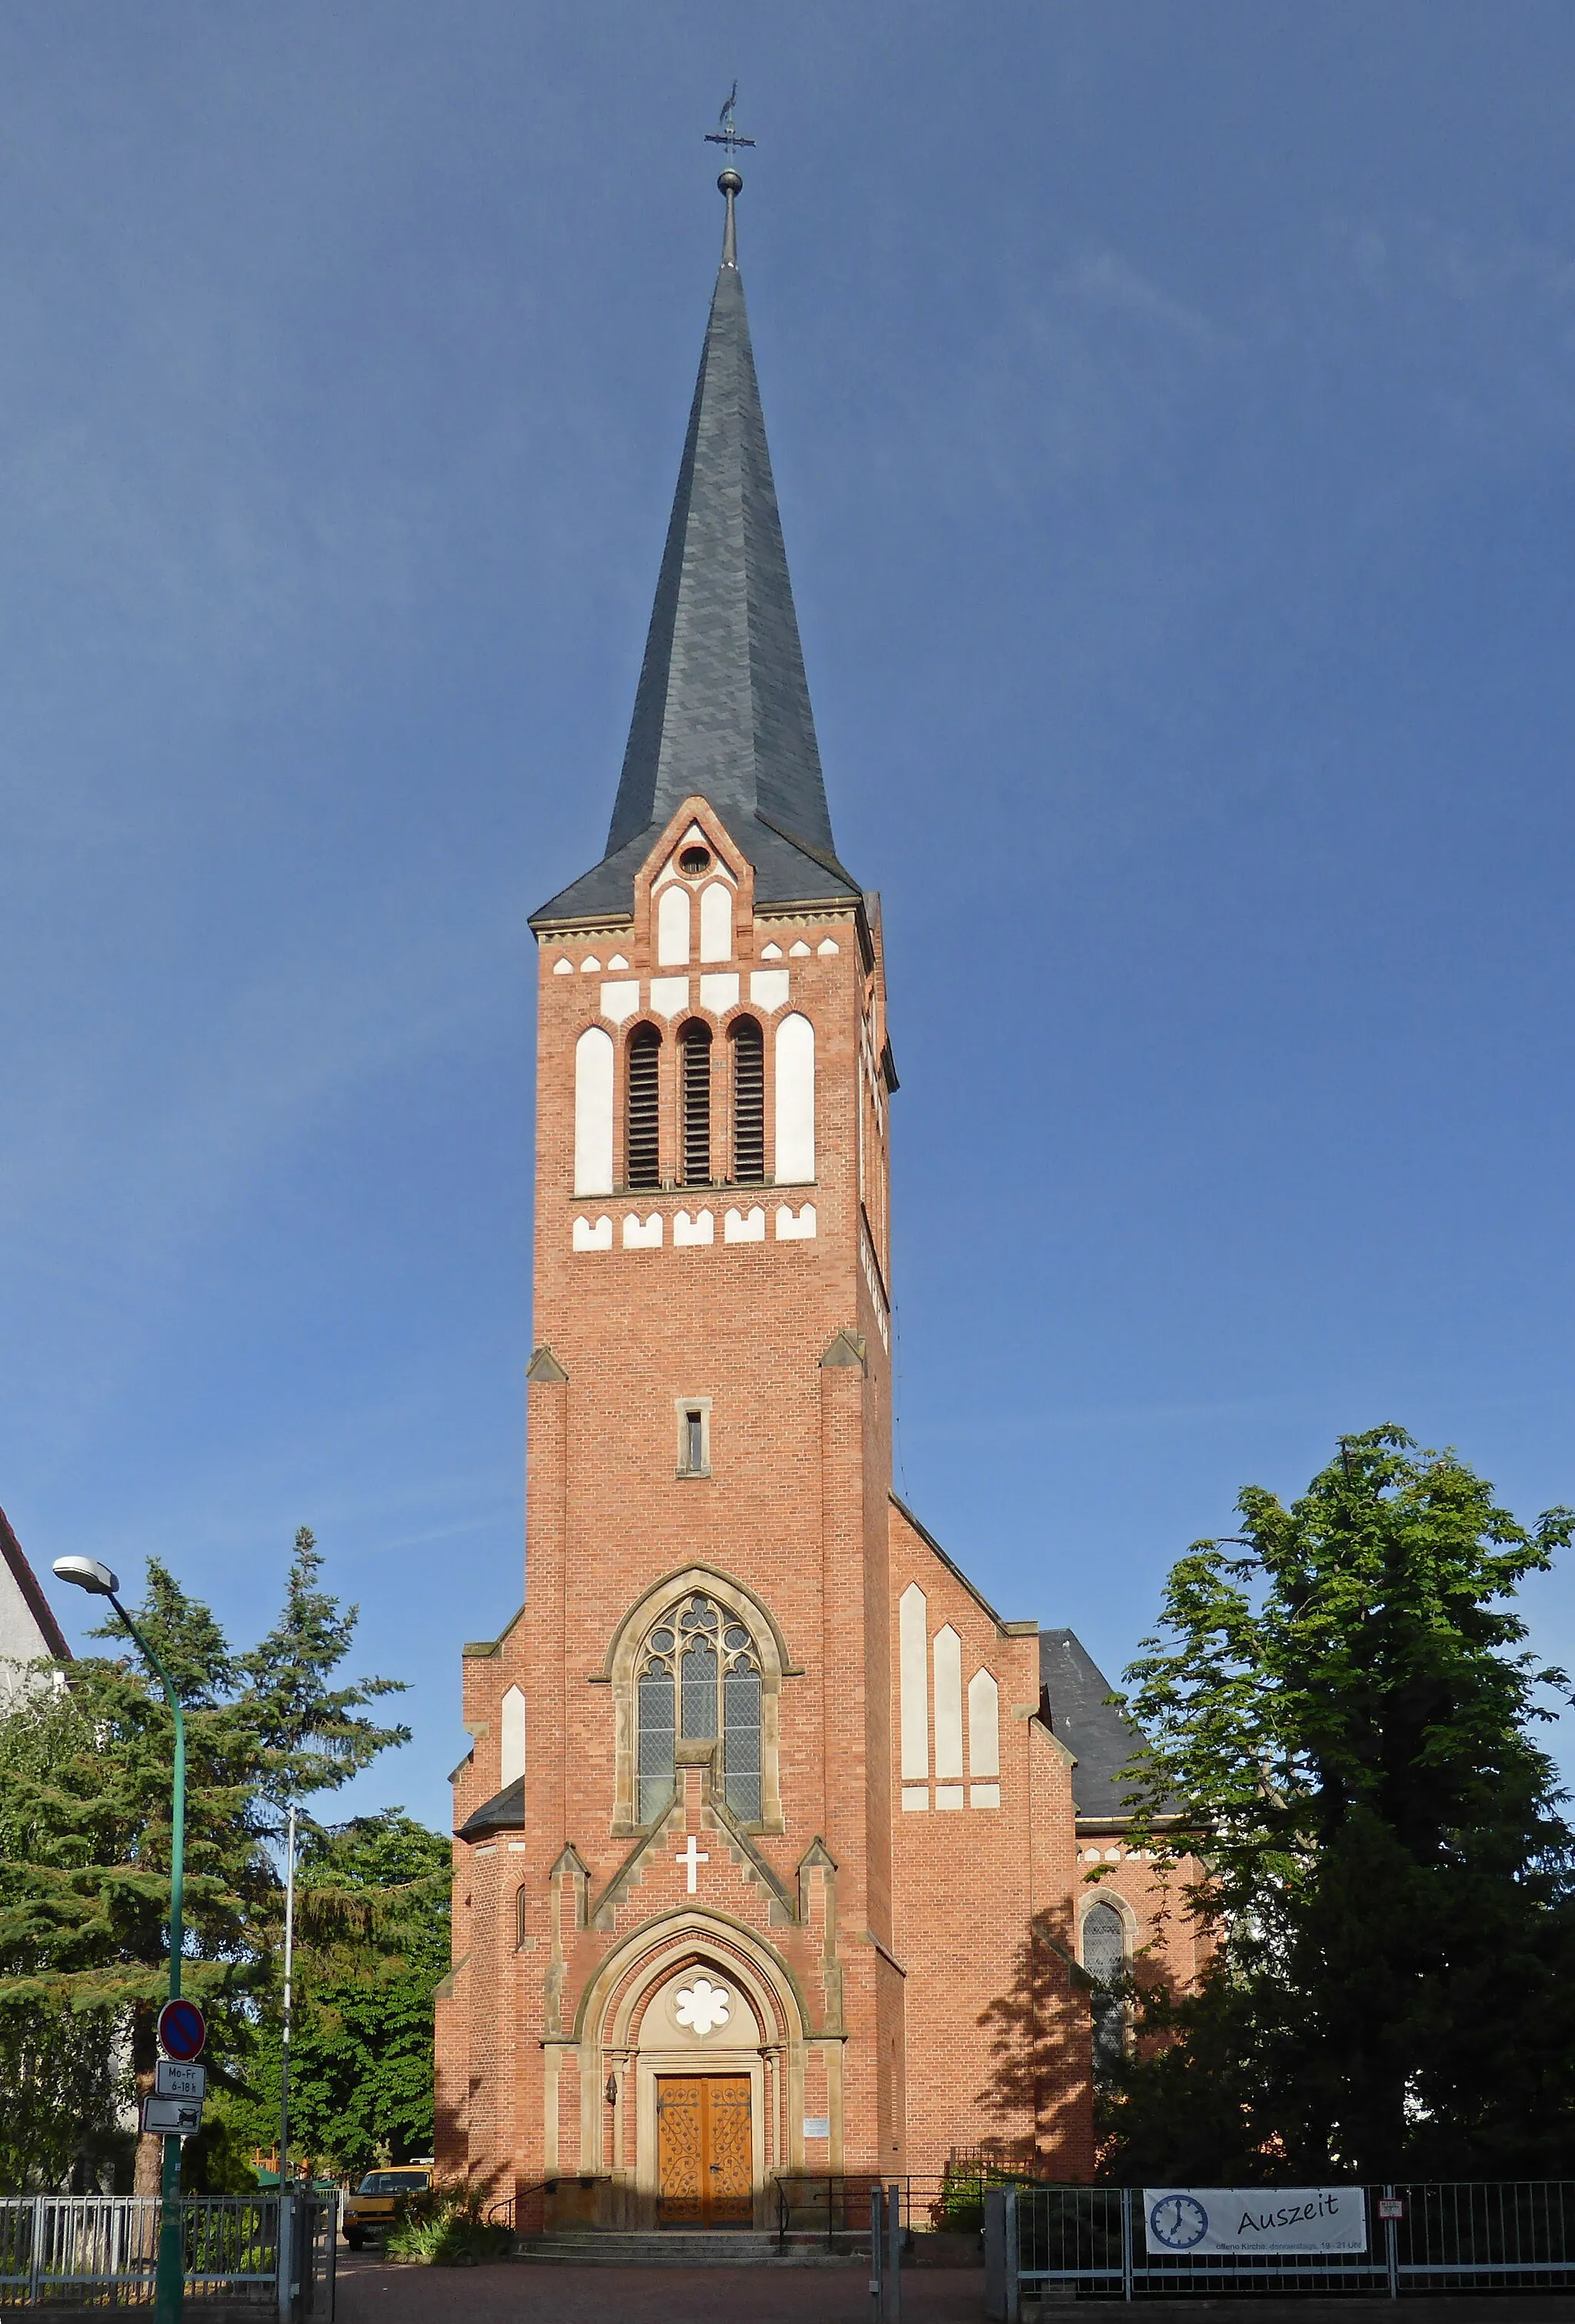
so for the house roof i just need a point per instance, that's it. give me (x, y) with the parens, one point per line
(32, 1597)
(1103, 1738)
(722, 710)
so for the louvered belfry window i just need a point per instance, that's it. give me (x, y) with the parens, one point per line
(700, 1678)
(642, 1156)
(695, 1066)
(748, 1102)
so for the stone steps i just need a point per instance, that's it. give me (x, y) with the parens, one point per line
(671, 2248)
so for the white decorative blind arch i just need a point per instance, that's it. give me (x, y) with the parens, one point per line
(795, 1141)
(913, 1678)
(593, 1112)
(983, 1727)
(511, 1737)
(673, 928)
(716, 921)
(948, 1667)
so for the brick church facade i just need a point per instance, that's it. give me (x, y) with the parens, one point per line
(772, 1848)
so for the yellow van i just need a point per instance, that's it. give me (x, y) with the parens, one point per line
(370, 2210)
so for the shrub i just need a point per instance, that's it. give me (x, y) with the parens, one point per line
(444, 2227)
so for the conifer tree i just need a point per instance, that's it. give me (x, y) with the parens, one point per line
(1345, 1711)
(84, 1801)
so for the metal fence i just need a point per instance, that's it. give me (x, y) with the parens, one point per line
(102, 2250)
(1045, 2242)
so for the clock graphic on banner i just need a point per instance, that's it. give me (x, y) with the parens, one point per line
(1179, 2222)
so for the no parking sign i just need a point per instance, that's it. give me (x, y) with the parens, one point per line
(182, 2030)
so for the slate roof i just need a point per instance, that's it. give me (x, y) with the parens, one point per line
(504, 1811)
(722, 710)
(1102, 1737)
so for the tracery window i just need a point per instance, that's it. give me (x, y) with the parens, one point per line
(1104, 1956)
(699, 1680)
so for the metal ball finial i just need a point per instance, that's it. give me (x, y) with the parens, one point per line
(730, 184)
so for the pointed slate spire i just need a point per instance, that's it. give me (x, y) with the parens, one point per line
(723, 705)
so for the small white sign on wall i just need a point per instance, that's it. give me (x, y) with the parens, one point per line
(817, 2125)
(1237, 2221)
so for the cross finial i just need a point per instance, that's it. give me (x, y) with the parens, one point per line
(726, 134)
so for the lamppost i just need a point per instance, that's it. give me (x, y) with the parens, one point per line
(86, 1573)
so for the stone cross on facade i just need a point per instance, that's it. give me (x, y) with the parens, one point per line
(692, 1857)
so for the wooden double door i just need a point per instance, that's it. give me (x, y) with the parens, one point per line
(704, 2151)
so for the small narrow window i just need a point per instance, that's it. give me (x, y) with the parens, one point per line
(693, 1413)
(521, 1911)
(694, 1057)
(642, 1141)
(749, 1100)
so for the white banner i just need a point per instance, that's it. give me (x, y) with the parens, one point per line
(1237, 2221)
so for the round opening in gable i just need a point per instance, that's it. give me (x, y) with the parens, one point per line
(693, 860)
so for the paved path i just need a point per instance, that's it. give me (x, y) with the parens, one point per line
(372, 2293)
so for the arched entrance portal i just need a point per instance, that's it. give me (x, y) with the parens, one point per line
(693, 2039)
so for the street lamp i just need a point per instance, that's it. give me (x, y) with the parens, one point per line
(87, 1573)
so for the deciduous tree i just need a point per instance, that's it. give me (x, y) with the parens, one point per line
(1343, 1702)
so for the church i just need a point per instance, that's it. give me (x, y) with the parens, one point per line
(773, 1850)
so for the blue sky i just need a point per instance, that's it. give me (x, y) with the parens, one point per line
(1173, 416)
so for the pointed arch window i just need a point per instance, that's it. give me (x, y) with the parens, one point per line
(1104, 1956)
(748, 1044)
(694, 1091)
(641, 1134)
(699, 1681)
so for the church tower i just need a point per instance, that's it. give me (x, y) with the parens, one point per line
(679, 1961)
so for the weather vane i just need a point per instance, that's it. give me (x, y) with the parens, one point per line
(726, 134)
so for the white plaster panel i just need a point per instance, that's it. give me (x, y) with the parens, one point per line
(827, 948)
(948, 1795)
(594, 1235)
(716, 921)
(913, 1683)
(590, 966)
(673, 926)
(769, 987)
(744, 1226)
(794, 1230)
(771, 952)
(593, 1112)
(915, 1796)
(616, 960)
(643, 1235)
(984, 1795)
(563, 968)
(799, 950)
(511, 1737)
(794, 1142)
(983, 1725)
(947, 1655)
(621, 999)
(669, 995)
(701, 1228)
(719, 993)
